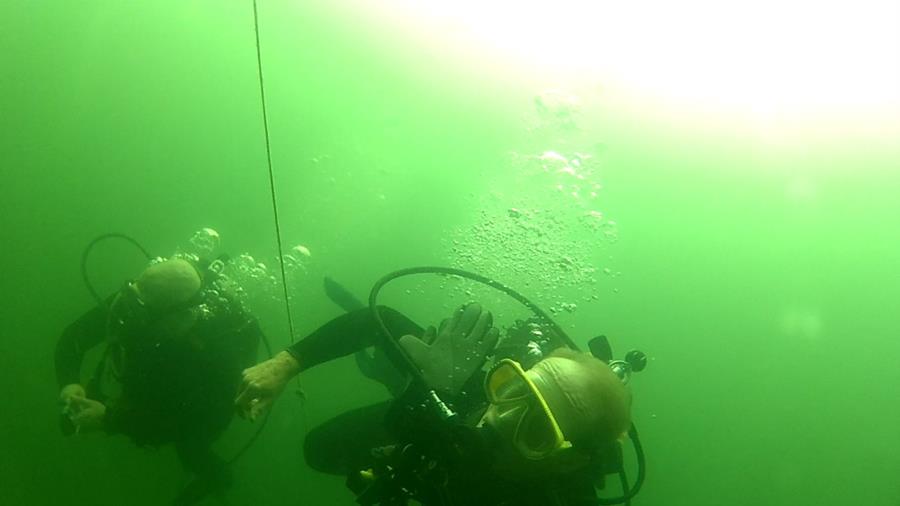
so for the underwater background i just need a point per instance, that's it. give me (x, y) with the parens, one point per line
(715, 184)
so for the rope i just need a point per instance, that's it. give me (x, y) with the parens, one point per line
(265, 117)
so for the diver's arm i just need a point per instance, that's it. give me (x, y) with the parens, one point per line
(81, 335)
(348, 334)
(341, 336)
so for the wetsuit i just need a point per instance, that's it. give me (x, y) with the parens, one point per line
(181, 391)
(343, 445)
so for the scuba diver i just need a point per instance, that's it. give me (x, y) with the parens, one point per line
(175, 347)
(521, 420)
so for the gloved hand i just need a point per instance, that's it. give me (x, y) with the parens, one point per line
(449, 356)
(263, 382)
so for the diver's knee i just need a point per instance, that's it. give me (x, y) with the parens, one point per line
(319, 452)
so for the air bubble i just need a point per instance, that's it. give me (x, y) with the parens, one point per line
(301, 251)
(204, 242)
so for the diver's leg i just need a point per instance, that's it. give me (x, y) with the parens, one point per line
(344, 443)
(212, 473)
(341, 296)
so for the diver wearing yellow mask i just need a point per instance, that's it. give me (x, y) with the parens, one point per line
(569, 396)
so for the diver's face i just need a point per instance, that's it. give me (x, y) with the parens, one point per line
(519, 426)
(508, 461)
(519, 412)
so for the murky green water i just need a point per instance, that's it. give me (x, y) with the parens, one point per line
(752, 253)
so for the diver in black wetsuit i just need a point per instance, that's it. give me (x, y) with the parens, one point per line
(542, 436)
(175, 348)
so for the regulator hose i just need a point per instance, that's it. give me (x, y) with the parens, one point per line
(629, 493)
(87, 253)
(449, 271)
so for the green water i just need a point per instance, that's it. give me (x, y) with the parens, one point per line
(755, 263)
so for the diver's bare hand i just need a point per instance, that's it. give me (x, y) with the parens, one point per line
(263, 382)
(68, 393)
(86, 414)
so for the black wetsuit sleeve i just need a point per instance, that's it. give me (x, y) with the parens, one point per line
(81, 335)
(348, 334)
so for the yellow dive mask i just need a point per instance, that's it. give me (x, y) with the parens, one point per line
(520, 413)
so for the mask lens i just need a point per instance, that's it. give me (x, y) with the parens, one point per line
(518, 405)
(536, 435)
(505, 384)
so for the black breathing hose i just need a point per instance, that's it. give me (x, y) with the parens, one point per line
(373, 302)
(87, 252)
(628, 494)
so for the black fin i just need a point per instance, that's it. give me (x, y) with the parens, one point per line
(600, 348)
(341, 296)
